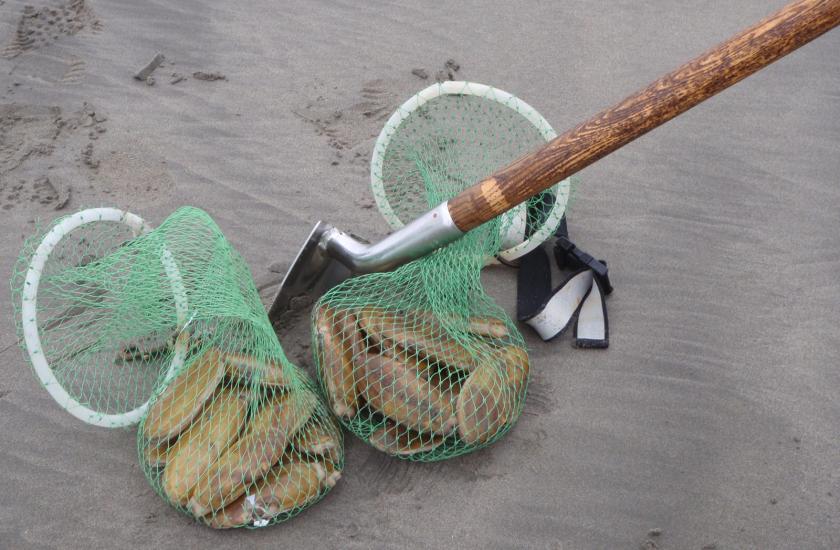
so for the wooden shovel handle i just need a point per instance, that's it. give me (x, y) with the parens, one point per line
(776, 36)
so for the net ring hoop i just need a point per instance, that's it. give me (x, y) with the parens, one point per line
(29, 316)
(516, 233)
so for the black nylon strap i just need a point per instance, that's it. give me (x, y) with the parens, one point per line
(550, 311)
(533, 283)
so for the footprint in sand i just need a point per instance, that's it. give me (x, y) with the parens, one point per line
(377, 103)
(33, 141)
(27, 131)
(41, 27)
(54, 69)
(45, 153)
(23, 193)
(350, 120)
(74, 73)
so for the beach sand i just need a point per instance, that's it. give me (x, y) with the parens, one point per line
(714, 414)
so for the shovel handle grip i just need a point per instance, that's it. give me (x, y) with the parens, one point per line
(745, 53)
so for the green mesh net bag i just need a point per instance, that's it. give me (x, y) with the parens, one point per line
(420, 362)
(125, 324)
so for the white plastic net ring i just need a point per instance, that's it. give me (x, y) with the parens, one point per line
(29, 316)
(514, 241)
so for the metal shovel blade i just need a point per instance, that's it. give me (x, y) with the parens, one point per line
(330, 256)
(312, 274)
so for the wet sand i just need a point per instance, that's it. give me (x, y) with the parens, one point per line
(714, 414)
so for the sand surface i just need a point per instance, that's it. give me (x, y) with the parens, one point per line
(714, 416)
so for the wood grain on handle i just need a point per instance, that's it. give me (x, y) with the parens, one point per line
(779, 34)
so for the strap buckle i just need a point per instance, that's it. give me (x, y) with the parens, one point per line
(568, 255)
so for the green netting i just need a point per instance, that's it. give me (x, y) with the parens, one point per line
(420, 362)
(166, 327)
(461, 132)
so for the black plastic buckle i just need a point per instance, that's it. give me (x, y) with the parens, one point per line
(567, 254)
